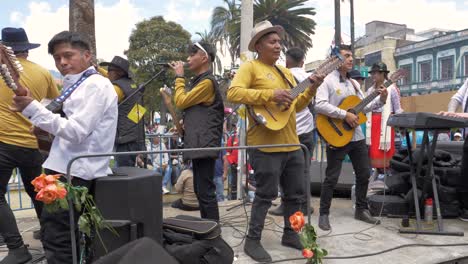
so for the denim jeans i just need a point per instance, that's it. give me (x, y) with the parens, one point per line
(166, 175)
(218, 180)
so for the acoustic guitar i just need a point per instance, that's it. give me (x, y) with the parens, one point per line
(166, 95)
(337, 132)
(275, 116)
(10, 72)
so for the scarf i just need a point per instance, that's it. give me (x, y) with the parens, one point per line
(385, 131)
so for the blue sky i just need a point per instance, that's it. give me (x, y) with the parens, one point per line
(115, 19)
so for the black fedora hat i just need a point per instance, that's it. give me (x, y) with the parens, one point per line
(17, 39)
(120, 63)
(379, 67)
(355, 74)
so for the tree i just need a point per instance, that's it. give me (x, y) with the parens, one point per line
(81, 19)
(155, 40)
(290, 14)
(225, 27)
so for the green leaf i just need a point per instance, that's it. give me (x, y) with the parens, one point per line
(63, 203)
(84, 224)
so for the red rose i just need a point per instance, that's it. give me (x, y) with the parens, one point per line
(61, 192)
(307, 253)
(297, 221)
(48, 194)
(39, 182)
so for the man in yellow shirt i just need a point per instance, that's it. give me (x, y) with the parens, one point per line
(203, 122)
(18, 147)
(257, 82)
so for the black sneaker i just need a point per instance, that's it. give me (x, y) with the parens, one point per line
(254, 249)
(37, 234)
(17, 256)
(2, 241)
(464, 215)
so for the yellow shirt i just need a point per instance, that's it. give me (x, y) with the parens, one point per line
(202, 93)
(254, 84)
(14, 128)
(118, 90)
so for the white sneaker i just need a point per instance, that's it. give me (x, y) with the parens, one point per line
(165, 190)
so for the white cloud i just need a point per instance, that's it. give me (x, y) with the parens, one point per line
(113, 28)
(16, 17)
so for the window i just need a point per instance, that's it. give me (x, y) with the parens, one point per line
(466, 64)
(446, 68)
(406, 80)
(425, 71)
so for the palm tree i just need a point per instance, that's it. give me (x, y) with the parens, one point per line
(290, 14)
(81, 19)
(225, 27)
(209, 38)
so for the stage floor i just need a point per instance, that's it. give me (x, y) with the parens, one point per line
(349, 237)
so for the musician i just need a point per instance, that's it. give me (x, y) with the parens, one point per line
(203, 121)
(304, 118)
(130, 128)
(88, 128)
(356, 75)
(336, 87)
(379, 136)
(461, 98)
(256, 83)
(18, 147)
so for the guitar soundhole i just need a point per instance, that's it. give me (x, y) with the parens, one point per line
(346, 126)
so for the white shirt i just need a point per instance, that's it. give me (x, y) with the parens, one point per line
(158, 159)
(89, 128)
(462, 95)
(304, 118)
(333, 91)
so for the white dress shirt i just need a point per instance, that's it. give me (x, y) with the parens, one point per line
(89, 127)
(304, 118)
(462, 96)
(333, 91)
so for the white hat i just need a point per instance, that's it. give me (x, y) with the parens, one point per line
(261, 29)
(458, 134)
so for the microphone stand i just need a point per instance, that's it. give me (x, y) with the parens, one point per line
(142, 86)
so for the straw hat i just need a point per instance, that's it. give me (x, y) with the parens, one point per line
(261, 29)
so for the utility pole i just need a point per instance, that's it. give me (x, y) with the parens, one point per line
(351, 3)
(81, 19)
(337, 23)
(246, 29)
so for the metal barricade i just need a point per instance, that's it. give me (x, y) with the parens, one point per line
(16, 195)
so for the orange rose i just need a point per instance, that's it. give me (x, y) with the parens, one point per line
(297, 221)
(61, 192)
(307, 253)
(39, 182)
(48, 194)
(52, 179)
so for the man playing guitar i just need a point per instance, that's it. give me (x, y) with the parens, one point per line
(257, 83)
(335, 88)
(18, 147)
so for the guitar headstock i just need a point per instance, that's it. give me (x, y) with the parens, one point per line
(166, 94)
(10, 69)
(332, 63)
(399, 74)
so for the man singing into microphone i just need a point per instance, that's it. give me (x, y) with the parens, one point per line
(203, 121)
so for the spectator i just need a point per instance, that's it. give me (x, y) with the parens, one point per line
(457, 137)
(184, 185)
(221, 170)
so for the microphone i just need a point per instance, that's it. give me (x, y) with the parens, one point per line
(166, 64)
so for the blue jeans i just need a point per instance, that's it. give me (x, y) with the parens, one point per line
(218, 180)
(167, 175)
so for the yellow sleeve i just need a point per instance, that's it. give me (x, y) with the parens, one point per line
(202, 93)
(120, 93)
(241, 90)
(303, 99)
(103, 72)
(52, 90)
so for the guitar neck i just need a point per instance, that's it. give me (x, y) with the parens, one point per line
(360, 107)
(301, 87)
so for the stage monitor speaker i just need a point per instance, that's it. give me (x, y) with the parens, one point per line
(141, 251)
(131, 201)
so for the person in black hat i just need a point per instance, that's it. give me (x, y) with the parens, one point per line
(379, 136)
(18, 147)
(203, 109)
(356, 75)
(130, 131)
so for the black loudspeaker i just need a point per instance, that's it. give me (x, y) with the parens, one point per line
(131, 201)
(141, 251)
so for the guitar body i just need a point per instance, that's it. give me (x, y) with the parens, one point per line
(335, 131)
(275, 117)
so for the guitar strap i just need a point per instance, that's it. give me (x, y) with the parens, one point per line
(284, 77)
(56, 104)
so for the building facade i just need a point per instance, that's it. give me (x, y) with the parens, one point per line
(438, 64)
